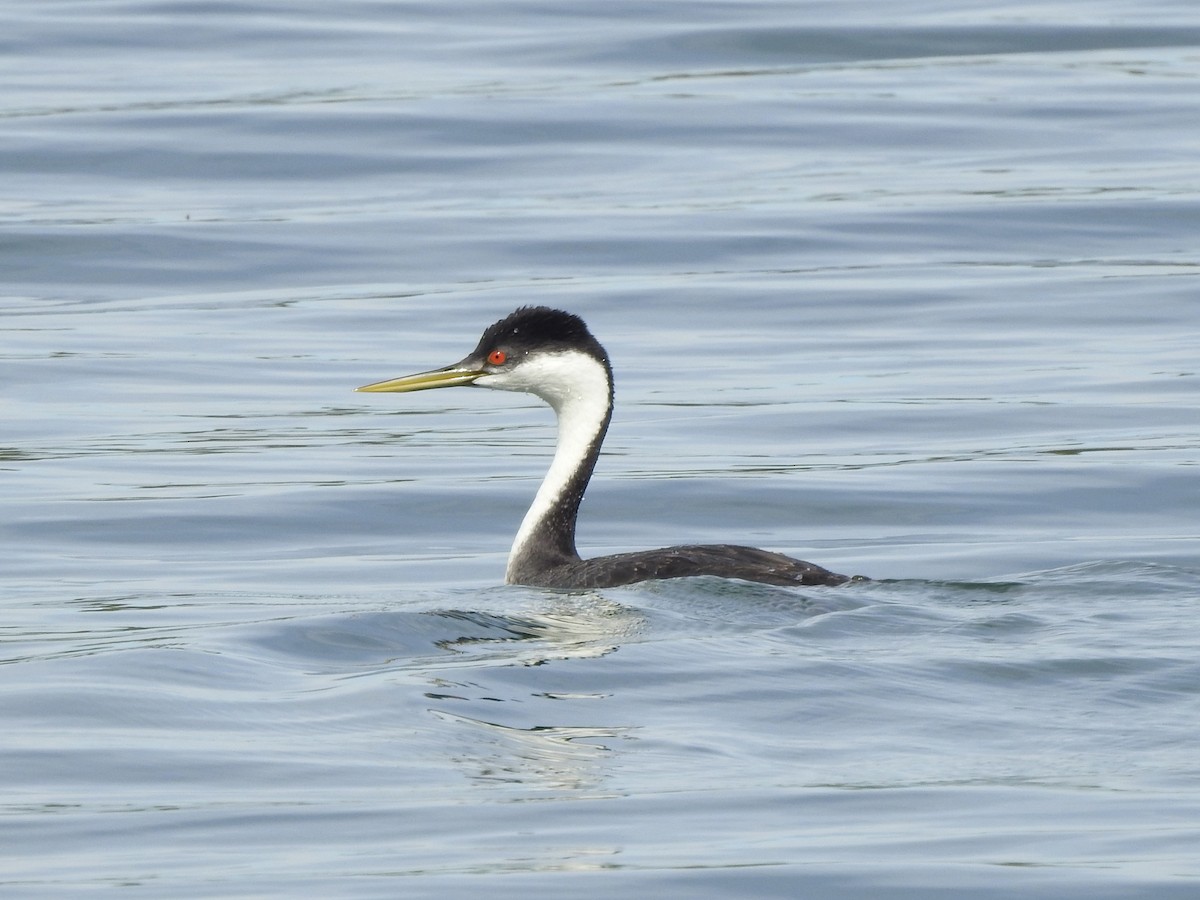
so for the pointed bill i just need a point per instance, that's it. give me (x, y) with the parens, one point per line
(451, 376)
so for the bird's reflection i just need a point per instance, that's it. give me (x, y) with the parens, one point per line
(531, 739)
(548, 757)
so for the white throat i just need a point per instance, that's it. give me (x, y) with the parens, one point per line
(577, 387)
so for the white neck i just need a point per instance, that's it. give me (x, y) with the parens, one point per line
(577, 387)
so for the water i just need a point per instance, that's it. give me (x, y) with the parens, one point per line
(905, 290)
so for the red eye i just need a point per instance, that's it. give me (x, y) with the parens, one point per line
(497, 357)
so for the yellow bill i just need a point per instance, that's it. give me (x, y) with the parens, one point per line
(451, 376)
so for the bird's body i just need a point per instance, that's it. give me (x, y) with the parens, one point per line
(552, 354)
(720, 560)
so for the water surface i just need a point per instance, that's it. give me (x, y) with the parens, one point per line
(905, 290)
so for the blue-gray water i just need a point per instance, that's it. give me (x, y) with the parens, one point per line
(907, 289)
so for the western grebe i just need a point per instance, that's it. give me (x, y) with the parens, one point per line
(551, 354)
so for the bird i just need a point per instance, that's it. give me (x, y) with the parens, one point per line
(551, 354)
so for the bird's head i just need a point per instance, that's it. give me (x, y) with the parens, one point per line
(537, 350)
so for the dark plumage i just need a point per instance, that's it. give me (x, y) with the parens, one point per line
(540, 329)
(720, 560)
